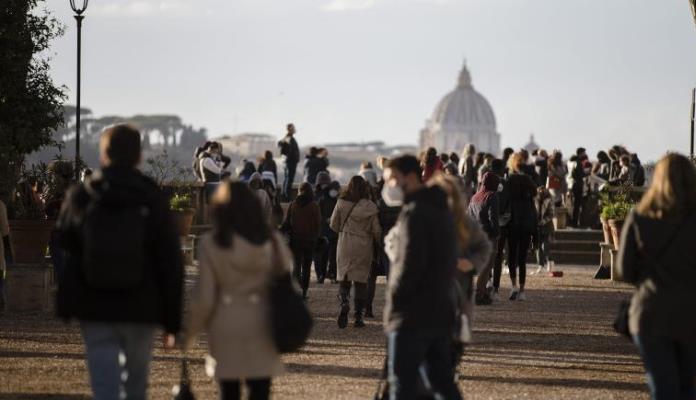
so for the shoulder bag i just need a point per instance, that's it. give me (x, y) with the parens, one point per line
(291, 321)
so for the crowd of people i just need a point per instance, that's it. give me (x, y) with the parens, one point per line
(440, 227)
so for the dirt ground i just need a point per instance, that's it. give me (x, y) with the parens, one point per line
(557, 345)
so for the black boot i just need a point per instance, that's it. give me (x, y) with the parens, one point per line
(344, 310)
(359, 306)
(369, 313)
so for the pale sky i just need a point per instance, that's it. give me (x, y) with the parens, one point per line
(574, 72)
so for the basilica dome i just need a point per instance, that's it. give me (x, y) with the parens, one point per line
(463, 116)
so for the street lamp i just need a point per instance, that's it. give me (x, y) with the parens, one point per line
(78, 17)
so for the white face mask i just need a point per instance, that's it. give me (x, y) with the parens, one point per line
(333, 192)
(393, 196)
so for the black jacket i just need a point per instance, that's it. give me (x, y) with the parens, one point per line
(387, 216)
(486, 214)
(423, 249)
(314, 165)
(158, 299)
(522, 190)
(290, 149)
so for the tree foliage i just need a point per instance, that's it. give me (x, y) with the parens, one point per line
(30, 102)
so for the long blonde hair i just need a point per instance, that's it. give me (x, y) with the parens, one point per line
(672, 193)
(456, 198)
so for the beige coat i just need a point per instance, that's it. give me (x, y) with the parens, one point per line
(356, 238)
(230, 302)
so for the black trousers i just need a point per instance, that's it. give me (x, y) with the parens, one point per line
(259, 389)
(325, 260)
(499, 256)
(518, 247)
(302, 252)
(577, 206)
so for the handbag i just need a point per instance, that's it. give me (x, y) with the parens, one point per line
(183, 391)
(291, 321)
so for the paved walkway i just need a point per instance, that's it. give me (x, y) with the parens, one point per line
(557, 345)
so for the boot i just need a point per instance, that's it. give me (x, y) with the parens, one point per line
(369, 313)
(344, 310)
(359, 306)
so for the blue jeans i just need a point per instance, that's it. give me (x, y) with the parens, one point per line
(290, 169)
(414, 358)
(118, 358)
(670, 366)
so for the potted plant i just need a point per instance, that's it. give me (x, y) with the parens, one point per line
(608, 213)
(180, 204)
(621, 209)
(32, 109)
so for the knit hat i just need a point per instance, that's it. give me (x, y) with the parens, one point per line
(323, 178)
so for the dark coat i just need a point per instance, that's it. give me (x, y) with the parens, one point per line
(158, 299)
(522, 190)
(664, 303)
(486, 214)
(304, 219)
(270, 166)
(423, 251)
(314, 165)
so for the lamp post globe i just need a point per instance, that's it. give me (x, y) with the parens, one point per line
(78, 8)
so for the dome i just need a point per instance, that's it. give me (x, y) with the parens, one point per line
(464, 106)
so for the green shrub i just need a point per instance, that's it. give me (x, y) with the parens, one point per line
(180, 202)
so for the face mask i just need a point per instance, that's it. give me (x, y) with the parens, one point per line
(333, 193)
(393, 196)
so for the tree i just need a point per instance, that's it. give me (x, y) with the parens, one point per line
(30, 103)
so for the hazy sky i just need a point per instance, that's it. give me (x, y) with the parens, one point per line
(574, 72)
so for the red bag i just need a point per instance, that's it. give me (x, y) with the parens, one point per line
(554, 182)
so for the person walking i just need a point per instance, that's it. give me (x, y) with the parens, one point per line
(355, 221)
(124, 272)
(431, 164)
(522, 225)
(656, 255)
(577, 185)
(230, 299)
(368, 173)
(423, 250)
(467, 169)
(556, 182)
(303, 222)
(484, 208)
(545, 211)
(291, 151)
(541, 165)
(504, 216)
(326, 195)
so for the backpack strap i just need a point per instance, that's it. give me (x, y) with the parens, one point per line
(345, 221)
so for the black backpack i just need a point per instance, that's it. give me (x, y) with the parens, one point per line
(113, 237)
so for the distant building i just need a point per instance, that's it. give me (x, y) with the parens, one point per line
(248, 145)
(532, 145)
(463, 116)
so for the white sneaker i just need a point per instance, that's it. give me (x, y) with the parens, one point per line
(539, 270)
(514, 293)
(522, 296)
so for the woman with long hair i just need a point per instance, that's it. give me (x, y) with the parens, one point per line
(431, 164)
(303, 223)
(355, 220)
(657, 256)
(556, 182)
(230, 300)
(522, 225)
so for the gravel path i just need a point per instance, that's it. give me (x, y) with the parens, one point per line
(557, 345)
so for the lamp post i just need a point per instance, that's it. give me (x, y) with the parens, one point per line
(693, 91)
(78, 17)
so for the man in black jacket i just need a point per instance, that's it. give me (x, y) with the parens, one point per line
(124, 269)
(419, 313)
(291, 151)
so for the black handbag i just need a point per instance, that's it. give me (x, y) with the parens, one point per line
(291, 321)
(183, 391)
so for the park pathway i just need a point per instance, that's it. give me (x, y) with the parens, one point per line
(557, 345)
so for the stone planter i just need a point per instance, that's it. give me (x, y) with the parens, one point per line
(616, 226)
(29, 240)
(560, 218)
(606, 229)
(184, 220)
(28, 288)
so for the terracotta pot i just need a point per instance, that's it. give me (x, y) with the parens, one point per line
(616, 226)
(29, 239)
(606, 229)
(184, 220)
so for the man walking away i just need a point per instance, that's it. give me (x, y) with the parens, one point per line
(577, 174)
(124, 271)
(291, 151)
(419, 312)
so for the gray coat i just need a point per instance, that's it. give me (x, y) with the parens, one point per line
(664, 303)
